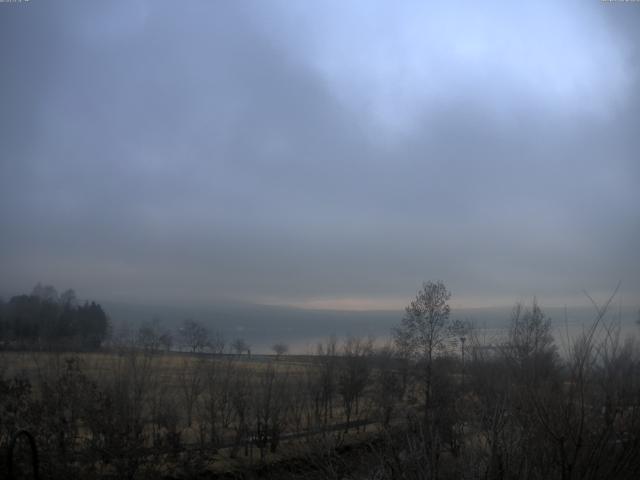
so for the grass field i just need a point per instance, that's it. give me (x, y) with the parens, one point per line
(233, 410)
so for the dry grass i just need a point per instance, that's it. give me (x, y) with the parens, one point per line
(31, 364)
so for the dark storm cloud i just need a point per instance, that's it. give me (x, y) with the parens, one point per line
(270, 152)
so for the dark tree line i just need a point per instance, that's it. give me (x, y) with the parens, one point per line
(44, 317)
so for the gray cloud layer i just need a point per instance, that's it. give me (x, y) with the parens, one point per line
(298, 153)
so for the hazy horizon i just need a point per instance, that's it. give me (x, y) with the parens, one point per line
(262, 326)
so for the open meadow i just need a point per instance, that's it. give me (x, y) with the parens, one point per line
(117, 410)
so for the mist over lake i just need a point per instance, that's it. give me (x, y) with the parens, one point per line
(262, 325)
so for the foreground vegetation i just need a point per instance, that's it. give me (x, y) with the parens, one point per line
(439, 402)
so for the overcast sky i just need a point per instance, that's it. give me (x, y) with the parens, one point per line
(321, 154)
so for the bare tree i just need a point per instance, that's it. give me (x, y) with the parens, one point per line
(217, 343)
(217, 406)
(166, 340)
(241, 405)
(194, 335)
(423, 333)
(119, 436)
(280, 349)
(123, 338)
(191, 384)
(354, 374)
(301, 401)
(588, 421)
(148, 335)
(425, 328)
(531, 345)
(327, 362)
(68, 298)
(240, 346)
(387, 383)
(46, 293)
(269, 406)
